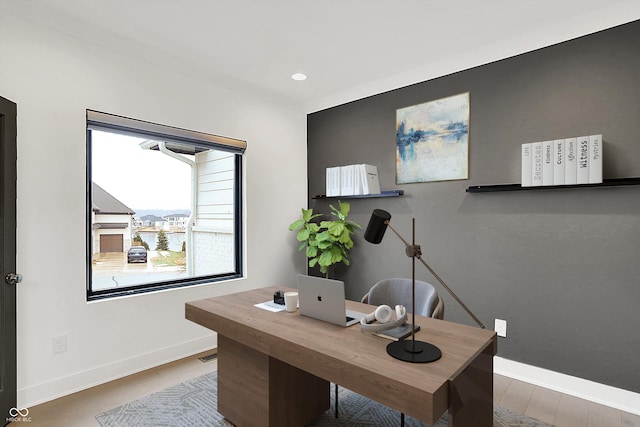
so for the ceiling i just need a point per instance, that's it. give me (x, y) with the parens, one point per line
(349, 49)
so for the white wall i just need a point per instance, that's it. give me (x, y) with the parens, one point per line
(54, 78)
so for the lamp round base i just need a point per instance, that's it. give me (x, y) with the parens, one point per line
(422, 352)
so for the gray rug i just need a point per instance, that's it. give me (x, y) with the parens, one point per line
(192, 404)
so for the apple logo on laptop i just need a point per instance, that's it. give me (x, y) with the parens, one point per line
(320, 298)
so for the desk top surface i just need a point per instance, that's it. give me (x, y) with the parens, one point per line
(343, 355)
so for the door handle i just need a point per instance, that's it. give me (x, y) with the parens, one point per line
(13, 278)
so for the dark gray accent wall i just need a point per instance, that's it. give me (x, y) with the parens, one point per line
(561, 266)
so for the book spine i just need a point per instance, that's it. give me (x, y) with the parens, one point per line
(358, 185)
(362, 172)
(570, 161)
(536, 166)
(333, 181)
(558, 162)
(527, 162)
(582, 175)
(373, 182)
(347, 178)
(595, 159)
(547, 163)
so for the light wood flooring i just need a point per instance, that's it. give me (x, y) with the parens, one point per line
(80, 409)
(556, 408)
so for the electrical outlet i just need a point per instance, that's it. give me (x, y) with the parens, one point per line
(501, 328)
(59, 344)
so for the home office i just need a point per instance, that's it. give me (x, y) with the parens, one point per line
(558, 265)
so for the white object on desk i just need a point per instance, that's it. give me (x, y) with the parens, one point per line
(270, 306)
(291, 301)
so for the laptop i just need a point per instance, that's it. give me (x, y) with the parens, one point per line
(323, 299)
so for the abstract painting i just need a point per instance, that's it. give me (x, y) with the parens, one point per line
(432, 141)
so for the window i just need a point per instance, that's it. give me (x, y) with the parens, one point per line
(164, 206)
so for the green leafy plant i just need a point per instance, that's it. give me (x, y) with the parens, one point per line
(328, 242)
(137, 239)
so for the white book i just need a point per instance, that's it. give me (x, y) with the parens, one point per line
(333, 181)
(558, 162)
(582, 175)
(547, 163)
(347, 178)
(570, 161)
(536, 165)
(363, 177)
(337, 180)
(595, 159)
(371, 179)
(527, 161)
(358, 177)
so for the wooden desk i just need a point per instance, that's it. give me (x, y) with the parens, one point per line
(274, 368)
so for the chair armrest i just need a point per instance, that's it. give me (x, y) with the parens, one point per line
(438, 312)
(365, 298)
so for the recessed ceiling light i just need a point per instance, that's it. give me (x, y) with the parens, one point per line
(299, 76)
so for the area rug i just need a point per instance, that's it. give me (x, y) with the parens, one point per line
(192, 404)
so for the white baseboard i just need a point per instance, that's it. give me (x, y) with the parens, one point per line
(59, 387)
(623, 400)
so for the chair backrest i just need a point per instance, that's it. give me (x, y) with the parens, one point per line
(398, 291)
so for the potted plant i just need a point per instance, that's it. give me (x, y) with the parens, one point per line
(328, 242)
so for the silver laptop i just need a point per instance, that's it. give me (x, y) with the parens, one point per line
(323, 299)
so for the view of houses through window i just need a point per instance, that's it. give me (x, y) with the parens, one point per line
(162, 214)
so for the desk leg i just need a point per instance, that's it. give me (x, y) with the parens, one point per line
(471, 394)
(257, 390)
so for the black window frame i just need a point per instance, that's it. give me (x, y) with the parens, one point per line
(119, 124)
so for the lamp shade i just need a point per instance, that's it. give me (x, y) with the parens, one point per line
(377, 226)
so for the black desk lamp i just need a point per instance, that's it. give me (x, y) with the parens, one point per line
(410, 351)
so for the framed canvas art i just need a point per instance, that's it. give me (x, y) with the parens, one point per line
(432, 141)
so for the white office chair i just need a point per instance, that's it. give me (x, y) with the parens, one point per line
(399, 291)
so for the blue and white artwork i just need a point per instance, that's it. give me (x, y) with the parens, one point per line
(432, 141)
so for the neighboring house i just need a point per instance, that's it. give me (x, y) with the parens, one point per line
(137, 222)
(152, 221)
(112, 222)
(176, 220)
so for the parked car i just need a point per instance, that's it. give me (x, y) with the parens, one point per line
(137, 253)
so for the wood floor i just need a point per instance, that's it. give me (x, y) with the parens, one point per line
(556, 408)
(80, 409)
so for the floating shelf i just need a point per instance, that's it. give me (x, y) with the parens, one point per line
(388, 193)
(615, 182)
